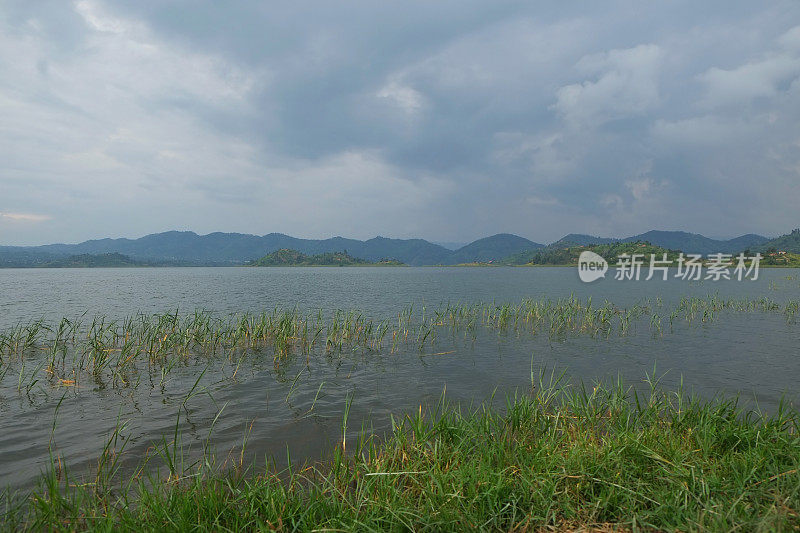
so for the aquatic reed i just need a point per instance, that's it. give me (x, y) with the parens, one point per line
(113, 351)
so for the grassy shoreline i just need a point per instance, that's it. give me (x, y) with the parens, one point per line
(559, 458)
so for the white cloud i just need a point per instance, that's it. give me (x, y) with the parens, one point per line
(24, 217)
(543, 155)
(403, 96)
(791, 39)
(93, 15)
(626, 83)
(645, 188)
(355, 179)
(612, 202)
(751, 80)
(702, 131)
(541, 201)
(503, 64)
(88, 127)
(122, 59)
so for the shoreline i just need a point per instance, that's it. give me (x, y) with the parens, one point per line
(557, 458)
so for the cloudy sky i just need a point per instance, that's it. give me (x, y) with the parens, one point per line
(448, 120)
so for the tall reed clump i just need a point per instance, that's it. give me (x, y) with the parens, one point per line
(573, 458)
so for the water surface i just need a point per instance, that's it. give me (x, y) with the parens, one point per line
(297, 407)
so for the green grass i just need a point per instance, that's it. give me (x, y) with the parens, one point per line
(558, 458)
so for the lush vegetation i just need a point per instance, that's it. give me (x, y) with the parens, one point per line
(786, 259)
(286, 257)
(602, 457)
(19, 257)
(785, 243)
(672, 240)
(698, 244)
(92, 261)
(565, 253)
(556, 255)
(27, 259)
(578, 239)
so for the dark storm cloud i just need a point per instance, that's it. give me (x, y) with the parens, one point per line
(447, 120)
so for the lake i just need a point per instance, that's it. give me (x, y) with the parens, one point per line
(296, 407)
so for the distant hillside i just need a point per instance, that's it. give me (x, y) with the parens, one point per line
(492, 248)
(286, 257)
(781, 258)
(695, 243)
(785, 243)
(94, 261)
(569, 256)
(19, 257)
(409, 251)
(577, 239)
(692, 243)
(746, 241)
(36, 259)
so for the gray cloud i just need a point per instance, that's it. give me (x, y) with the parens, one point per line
(447, 120)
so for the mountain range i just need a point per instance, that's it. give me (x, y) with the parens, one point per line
(189, 248)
